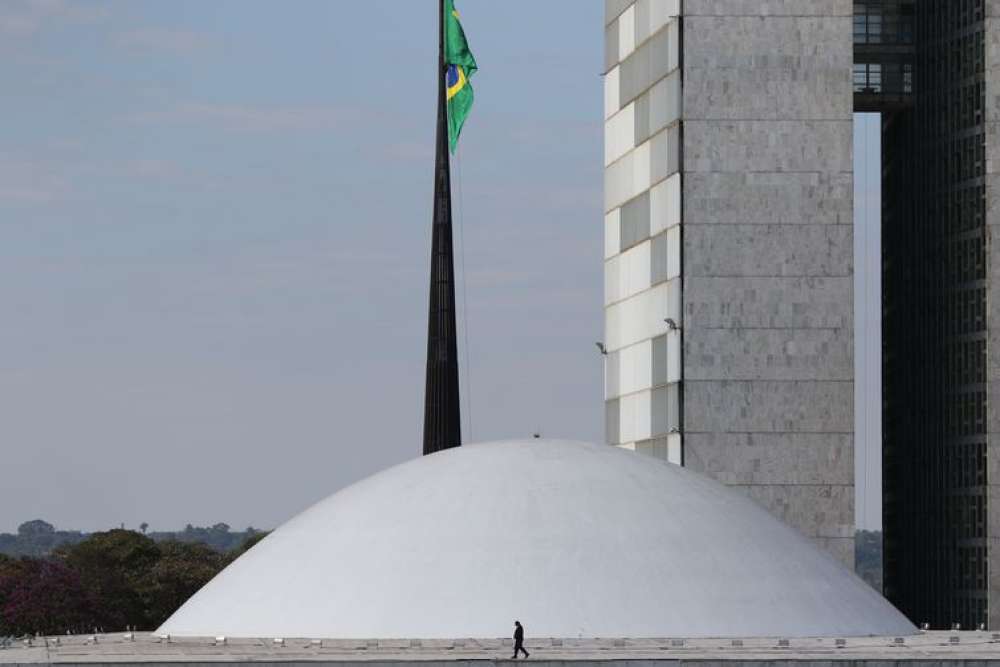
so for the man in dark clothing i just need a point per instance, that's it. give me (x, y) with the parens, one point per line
(518, 640)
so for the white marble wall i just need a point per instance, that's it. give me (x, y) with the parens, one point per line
(642, 226)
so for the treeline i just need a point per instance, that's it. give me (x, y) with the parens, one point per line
(106, 581)
(40, 538)
(64, 581)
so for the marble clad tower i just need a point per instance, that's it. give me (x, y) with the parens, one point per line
(728, 255)
(729, 262)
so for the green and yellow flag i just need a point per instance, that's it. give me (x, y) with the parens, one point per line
(460, 68)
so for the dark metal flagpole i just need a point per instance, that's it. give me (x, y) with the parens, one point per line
(442, 411)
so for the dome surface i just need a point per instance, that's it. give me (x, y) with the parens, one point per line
(573, 539)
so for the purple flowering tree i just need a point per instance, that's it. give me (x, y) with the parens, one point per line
(42, 595)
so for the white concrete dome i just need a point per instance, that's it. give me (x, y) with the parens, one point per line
(573, 539)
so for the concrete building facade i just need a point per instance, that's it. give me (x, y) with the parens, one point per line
(742, 190)
(642, 106)
(749, 182)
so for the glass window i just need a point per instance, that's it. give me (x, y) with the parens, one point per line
(860, 77)
(859, 29)
(875, 29)
(875, 77)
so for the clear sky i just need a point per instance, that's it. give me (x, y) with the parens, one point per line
(868, 319)
(214, 247)
(214, 240)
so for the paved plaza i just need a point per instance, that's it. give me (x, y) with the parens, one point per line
(929, 648)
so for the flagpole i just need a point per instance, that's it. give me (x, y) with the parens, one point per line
(442, 411)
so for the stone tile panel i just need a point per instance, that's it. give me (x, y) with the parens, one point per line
(768, 406)
(770, 7)
(820, 511)
(767, 250)
(758, 145)
(794, 302)
(805, 198)
(808, 43)
(764, 458)
(777, 93)
(768, 354)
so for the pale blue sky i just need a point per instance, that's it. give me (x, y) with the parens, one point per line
(868, 319)
(214, 238)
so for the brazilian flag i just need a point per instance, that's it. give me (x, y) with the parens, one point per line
(460, 68)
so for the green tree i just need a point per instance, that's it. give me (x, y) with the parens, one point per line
(35, 528)
(249, 542)
(182, 569)
(112, 566)
(36, 537)
(7, 564)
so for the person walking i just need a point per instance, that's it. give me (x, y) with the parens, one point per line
(519, 640)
